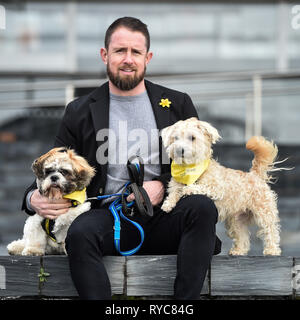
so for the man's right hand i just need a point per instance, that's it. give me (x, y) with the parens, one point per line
(46, 208)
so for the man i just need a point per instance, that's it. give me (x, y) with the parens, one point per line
(128, 99)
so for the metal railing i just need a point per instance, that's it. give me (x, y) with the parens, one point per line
(252, 92)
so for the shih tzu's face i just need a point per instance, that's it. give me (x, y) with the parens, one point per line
(61, 171)
(189, 141)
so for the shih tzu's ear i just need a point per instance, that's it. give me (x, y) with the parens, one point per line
(38, 164)
(37, 168)
(212, 132)
(83, 171)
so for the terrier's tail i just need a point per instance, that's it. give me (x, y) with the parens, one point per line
(265, 153)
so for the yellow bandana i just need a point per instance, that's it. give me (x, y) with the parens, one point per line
(78, 196)
(188, 173)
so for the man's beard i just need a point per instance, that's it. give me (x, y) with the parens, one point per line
(127, 82)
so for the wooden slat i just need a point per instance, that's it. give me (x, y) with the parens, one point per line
(19, 276)
(115, 267)
(241, 276)
(150, 275)
(296, 277)
(153, 276)
(59, 283)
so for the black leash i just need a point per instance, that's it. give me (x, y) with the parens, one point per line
(142, 201)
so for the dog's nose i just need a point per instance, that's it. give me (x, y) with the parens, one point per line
(180, 152)
(54, 178)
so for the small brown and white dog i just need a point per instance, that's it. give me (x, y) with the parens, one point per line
(240, 197)
(59, 173)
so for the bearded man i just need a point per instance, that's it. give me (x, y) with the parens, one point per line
(129, 110)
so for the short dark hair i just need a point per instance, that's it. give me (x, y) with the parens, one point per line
(130, 23)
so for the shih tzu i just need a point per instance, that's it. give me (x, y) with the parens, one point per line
(240, 197)
(60, 173)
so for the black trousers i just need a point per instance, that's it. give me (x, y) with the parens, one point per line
(188, 231)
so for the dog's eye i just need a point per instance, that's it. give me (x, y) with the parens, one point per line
(64, 172)
(48, 171)
(192, 138)
(176, 137)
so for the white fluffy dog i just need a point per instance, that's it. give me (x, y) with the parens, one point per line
(240, 197)
(60, 172)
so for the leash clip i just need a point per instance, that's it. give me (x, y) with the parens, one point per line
(130, 212)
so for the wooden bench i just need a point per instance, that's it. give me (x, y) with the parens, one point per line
(153, 276)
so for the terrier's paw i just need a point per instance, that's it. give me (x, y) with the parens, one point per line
(237, 252)
(167, 207)
(272, 252)
(33, 251)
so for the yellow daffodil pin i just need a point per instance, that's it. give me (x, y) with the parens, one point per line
(165, 103)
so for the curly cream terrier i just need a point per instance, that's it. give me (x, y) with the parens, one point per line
(240, 197)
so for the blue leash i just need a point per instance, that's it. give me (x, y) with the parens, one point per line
(116, 210)
(119, 206)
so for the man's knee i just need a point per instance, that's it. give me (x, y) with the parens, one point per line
(76, 235)
(200, 207)
(76, 231)
(85, 229)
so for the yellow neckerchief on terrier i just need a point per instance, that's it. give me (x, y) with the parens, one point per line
(77, 197)
(188, 173)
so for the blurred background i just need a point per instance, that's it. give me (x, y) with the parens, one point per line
(239, 62)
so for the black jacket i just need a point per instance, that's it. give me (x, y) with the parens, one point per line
(85, 116)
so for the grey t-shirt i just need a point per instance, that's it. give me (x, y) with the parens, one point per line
(132, 131)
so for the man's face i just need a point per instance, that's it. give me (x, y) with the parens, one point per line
(126, 58)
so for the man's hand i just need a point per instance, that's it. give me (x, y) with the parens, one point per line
(46, 208)
(155, 190)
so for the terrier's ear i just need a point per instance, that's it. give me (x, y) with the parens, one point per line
(192, 119)
(212, 132)
(166, 134)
